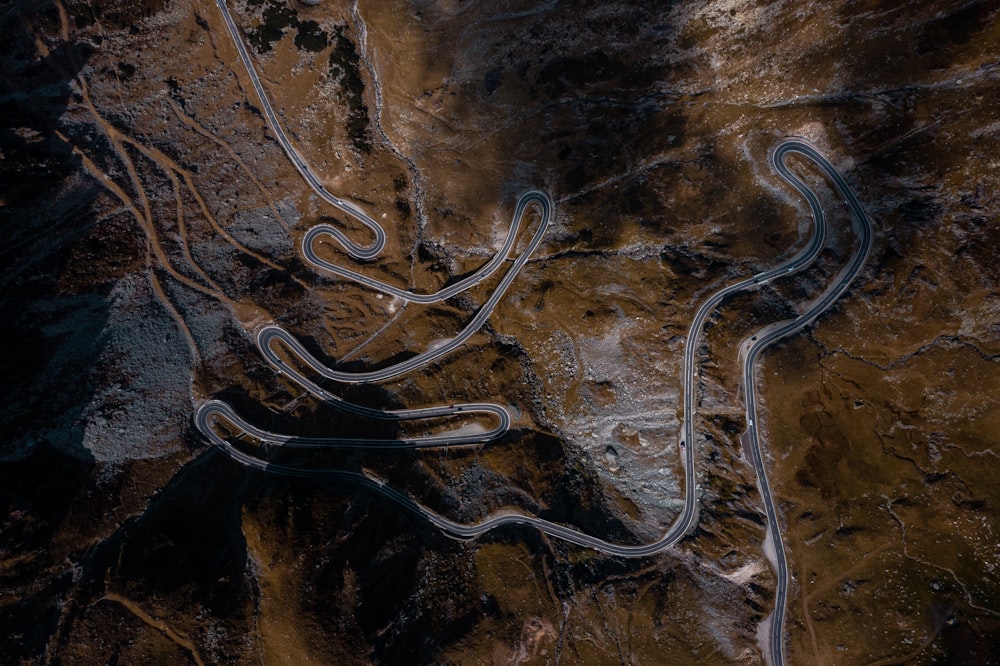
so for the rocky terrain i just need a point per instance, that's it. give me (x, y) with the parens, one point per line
(153, 224)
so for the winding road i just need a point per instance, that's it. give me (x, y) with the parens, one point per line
(361, 252)
(212, 411)
(267, 335)
(771, 334)
(541, 199)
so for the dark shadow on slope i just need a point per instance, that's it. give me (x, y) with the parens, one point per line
(37, 496)
(48, 334)
(185, 547)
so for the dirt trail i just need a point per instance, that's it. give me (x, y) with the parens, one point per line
(159, 625)
(200, 129)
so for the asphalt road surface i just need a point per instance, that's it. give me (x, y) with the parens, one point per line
(211, 411)
(355, 250)
(314, 234)
(269, 334)
(770, 334)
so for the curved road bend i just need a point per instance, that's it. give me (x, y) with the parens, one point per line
(686, 519)
(264, 337)
(683, 523)
(312, 236)
(213, 409)
(775, 332)
(357, 251)
(689, 514)
(268, 334)
(763, 339)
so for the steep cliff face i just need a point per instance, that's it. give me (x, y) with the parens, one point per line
(154, 223)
